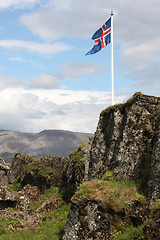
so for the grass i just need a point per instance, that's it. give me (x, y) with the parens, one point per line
(49, 230)
(130, 233)
(126, 233)
(120, 196)
(52, 192)
(8, 224)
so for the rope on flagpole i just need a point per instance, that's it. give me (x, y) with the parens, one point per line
(112, 67)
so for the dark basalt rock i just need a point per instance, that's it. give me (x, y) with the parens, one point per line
(127, 142)
(43, 173)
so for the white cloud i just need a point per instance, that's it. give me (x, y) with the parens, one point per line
(40, 48)
(35, 110)
(76, 70)
(45, 81)
(6, 82)
(61, 21)
(18, 3)
(19, 59)
(51, 81)
(67, 71)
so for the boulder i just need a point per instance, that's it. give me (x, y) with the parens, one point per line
(12, 199)
(50, 205)
(31, 192)
(28, 220)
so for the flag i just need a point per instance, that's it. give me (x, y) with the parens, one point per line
(101, 37)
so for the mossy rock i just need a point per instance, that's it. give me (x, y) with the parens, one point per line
(119, 196)
(121, 106)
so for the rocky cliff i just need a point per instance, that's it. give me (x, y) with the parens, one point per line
(121, 199)
(127, 142)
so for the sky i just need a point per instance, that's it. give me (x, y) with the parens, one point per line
(47, 82)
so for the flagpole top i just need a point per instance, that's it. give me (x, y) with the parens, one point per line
(112, 12)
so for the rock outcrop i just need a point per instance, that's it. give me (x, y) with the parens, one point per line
(122, 166)
(4, 172)
(127, 142)
(12, 199)
(73, 172)
(50, 205)
(29, 220)
(42, 173)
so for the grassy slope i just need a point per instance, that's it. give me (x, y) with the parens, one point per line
(50, 229)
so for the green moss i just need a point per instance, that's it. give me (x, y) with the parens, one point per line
(156, 204)
(82, 145)
(108, 176)
(78, 156)
(110, 108)
(120, 196)
(129, 102)
(41, 169)
(14, 186)
(25, 158)
(83, 193)
(52, 192)
(77, 159)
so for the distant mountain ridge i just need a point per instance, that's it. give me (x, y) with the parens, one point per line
(44, 143)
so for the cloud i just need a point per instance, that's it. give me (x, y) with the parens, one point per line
(71, 19)
(46, 81)
(40, 48)
(67, 71)
(17, 59)
(7, 82)
(51, 81)
(136, 29)
(76, 70)
(35, 110)
(18, 4)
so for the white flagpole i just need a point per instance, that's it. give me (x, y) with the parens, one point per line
(112, 69)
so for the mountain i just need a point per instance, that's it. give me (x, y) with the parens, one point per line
(47, 142)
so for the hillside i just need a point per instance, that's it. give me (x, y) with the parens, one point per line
(47, 142)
